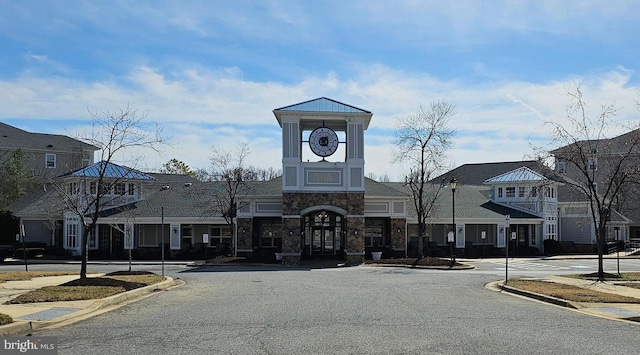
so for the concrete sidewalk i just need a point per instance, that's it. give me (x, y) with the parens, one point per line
(27, 317)
(618, 311)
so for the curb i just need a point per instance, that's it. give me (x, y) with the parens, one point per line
(537, 296)
(24, 326)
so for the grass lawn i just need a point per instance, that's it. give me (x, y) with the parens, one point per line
(624, 276)
(90, 288)
(569, 292)
(28, 275)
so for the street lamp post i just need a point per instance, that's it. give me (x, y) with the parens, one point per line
(617, 229)
(164, 188)
(454, 185)
(162, 241)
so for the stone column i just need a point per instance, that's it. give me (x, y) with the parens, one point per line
(291, 248)
(399, 237)
(245, 237)
(354, 240)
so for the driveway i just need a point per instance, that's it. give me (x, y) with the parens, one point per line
(357, 310)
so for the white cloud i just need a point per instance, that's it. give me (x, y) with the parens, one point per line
(199, 107)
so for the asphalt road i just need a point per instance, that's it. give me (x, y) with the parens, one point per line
(357, 310)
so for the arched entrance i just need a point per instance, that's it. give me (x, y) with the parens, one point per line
(323, 234)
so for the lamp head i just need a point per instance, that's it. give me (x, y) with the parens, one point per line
(454, 184)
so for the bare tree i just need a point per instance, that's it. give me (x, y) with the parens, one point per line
(113, 133)
(382, 178)
(260, 174)
(422, 139)
(604, 169)
(228, 168)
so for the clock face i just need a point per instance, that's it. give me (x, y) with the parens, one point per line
(323, 141)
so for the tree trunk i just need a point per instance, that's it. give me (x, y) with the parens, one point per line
(601, 255)
(85, 247)
(421, 240)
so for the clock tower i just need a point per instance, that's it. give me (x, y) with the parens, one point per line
(323, 179)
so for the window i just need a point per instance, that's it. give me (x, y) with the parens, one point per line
(93, 187)
(72, 235)
(72, 188)
(552, 228)
(534, 191)
(119, 188)
(521, 191)
(50, 160)
(561, 167)
(220, 234)
(93, 241)
(269, 232)
(105, 189)
(593, 164)
(374, 233)
(499, 192)
(132, 189)
(511, 192)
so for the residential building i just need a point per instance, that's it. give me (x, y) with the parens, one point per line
(47, 155)
(604, 164)
(321, 207)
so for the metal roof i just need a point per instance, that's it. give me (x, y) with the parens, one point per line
(322, 104)
(110, 170)
(521, 174)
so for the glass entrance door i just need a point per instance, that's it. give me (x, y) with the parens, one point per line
(323, 241)
(322, 234)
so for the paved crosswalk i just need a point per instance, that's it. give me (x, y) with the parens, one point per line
(533, 266)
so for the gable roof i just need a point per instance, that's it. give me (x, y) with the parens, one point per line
(110, 170)
(15, 138)
(322, 104)
(317, 111)
(477, 174)
(522, 174)
(625, 143)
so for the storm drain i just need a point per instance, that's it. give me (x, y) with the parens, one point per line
(49, 314)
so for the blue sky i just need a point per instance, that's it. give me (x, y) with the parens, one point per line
(211, 72)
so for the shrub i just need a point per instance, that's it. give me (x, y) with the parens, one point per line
(552, 247)
(5, 319)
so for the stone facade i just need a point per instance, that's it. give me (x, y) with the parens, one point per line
(352, 203)
(245, 233)
(398, 236)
